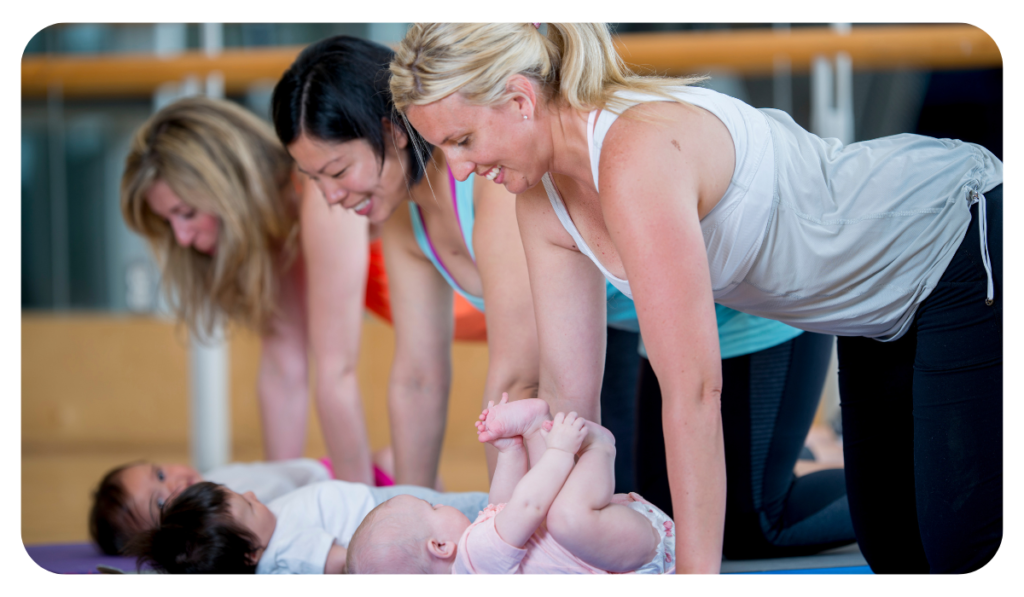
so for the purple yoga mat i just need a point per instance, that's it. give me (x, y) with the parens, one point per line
(76, 558)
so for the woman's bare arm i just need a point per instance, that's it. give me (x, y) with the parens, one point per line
(511, 326)
(653, 219)
(282, 382)
(335, 246)
(570, 305)
(421, 307)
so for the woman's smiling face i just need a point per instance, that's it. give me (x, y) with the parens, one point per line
(351, 175)
(492, 141)
(191, 227)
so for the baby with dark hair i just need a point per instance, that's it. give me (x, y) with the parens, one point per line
(209, 529)
(129, 497)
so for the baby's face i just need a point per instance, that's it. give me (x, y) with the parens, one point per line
(444, 521)
(150, 486)
(252, 514)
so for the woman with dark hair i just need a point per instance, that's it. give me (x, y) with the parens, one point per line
(243, 238)
(332, 110)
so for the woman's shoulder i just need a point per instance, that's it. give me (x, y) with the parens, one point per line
(661, 129)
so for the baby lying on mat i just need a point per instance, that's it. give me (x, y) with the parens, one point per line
(207, 528)
(560, 516)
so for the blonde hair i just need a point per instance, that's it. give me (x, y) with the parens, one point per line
(221, 159)
(575, 64)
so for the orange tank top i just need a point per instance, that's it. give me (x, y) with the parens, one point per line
(470, 325)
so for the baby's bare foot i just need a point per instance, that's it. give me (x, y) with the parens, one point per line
(509, 419)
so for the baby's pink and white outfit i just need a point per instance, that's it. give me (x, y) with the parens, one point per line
(482, 551)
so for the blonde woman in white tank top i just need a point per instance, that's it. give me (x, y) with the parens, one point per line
(680, 206)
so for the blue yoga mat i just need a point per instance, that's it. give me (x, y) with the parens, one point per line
(76, 558)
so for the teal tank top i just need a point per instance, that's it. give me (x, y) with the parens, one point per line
(621, 311)
(740, 333)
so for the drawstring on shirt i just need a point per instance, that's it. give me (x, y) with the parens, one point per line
(978, 198)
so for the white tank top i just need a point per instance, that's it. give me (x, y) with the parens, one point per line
(830, 239)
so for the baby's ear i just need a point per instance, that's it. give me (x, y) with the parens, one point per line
(441, 549)
(254, 557)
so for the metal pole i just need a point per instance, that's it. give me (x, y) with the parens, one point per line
(782, 82)
(832, 94)
(208, 360)
(210, 410)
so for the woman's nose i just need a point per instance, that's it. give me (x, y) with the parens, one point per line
(183, 233)
(461, 169)
(333, 193)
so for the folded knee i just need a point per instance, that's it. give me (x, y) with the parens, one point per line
(566, 519)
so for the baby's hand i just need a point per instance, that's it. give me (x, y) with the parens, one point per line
(566, 432)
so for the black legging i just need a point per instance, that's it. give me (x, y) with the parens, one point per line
(768, 403)
(618, 402)
(923, 425)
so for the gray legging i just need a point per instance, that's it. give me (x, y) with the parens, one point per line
(469, 503)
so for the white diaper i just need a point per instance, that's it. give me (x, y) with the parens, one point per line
(664, 561)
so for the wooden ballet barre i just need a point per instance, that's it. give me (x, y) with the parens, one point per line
(924, 47)
(744, 52)
(140, 75)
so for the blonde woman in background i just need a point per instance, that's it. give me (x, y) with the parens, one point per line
(692, 197)
(243, 238)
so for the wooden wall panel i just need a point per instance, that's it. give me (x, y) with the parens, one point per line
(92, 381)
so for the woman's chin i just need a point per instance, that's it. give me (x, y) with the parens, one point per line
(518, 186)
(382, 212)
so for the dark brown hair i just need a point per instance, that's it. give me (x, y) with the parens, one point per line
(111, 520)
(197, 535)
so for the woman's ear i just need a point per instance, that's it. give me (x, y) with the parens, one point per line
(396, 132)
(523, 93)
(441, 549)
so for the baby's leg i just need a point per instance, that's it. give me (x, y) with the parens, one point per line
(584, 520)
(509, 419)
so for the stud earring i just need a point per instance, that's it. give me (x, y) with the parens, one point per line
(525, 117)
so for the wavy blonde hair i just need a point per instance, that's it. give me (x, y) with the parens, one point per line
(575, 64)
(221, 159)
